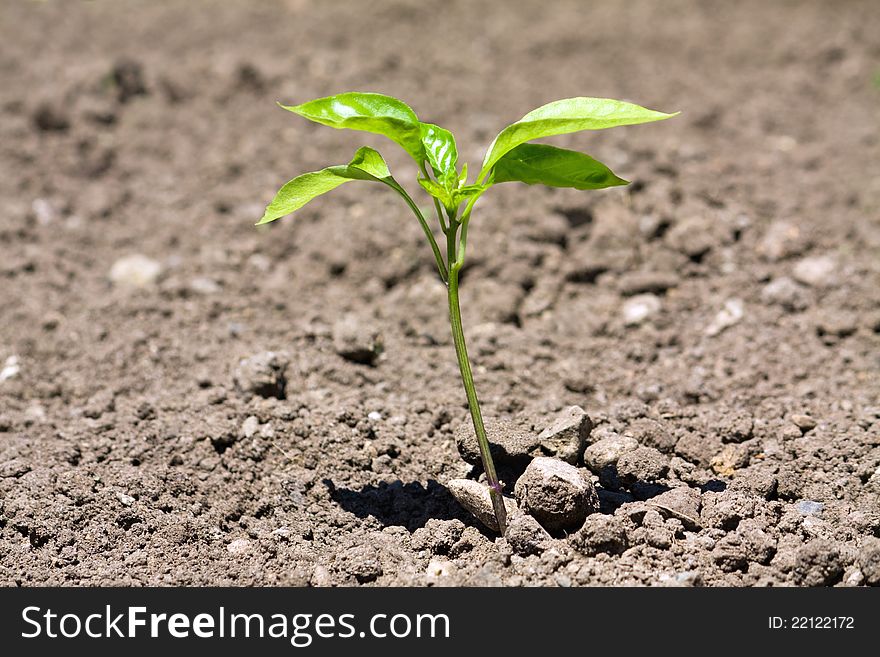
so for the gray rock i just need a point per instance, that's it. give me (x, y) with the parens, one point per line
(784, 292)
(557, 494)
(869, 561)
(509, 442)
(729, 315)
(783, 239)
(654, 282)
(682, 503)
(250, 427)
(525, 536)
(640, 308)
(474, 497)
(262, 375)
(803, 422)
(816, 271)
(602, 534)
(810, 508)
(357, 342)
(567, 436)
(606, 452)
(135, 271)
(642, 465)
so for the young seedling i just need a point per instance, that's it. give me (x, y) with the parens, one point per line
(510, 158)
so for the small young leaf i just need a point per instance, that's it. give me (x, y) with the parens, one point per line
(564, 116)
(441, 152)
(366, 164)
(369, 112)
(541, 164)
(439, 192)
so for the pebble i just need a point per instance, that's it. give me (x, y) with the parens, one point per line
(682, 503)
(526, 536)
(566, 437)
(606, 452)
(810, 508)
(816, 271)
(239, 546)
(262, 374)
(784, 292)
(356, 341)
(374, 416)
(557, 494)
(250, 427)
(11, 368)
(204, 285)
(654, 282)
(125, 500)
(474, 497)
(730, 315)
(803, 422)
(135, 271)
(640, 308)
(509, 443)
(782, 240)
(642, 465)
(439, 569)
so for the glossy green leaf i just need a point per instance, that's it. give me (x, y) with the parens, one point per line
(441, 152)
(564, 116)
(366, 164)
(368, 112)
(540, 164)
(438, 191)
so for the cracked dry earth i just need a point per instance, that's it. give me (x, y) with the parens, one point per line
(187, 400)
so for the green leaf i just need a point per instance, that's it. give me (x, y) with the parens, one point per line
(366, 164)
(441, 152)
(540, 164)
(368, 112)
(564, 116)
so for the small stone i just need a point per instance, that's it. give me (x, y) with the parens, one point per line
(11, 369)
(262, 374)
(783, 239)
(250, 427)
(606, 452)
(784, 292)
(642, 465)
(810, 508)
(602, 534)
(817, 271)
(869, 561)
(557, 494)
(567, 436)
(239, 546)
(509, 443)
(730, 315)
(526, 536)
(135, 271)
(803, 422)
(731, 458)
(654, 282)
(355, 341)
(125, 500)
(474, 497)
(682, 503)
(374, 416)
(640, 308)
(204, 285)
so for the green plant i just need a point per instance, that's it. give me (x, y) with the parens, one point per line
(510, 158)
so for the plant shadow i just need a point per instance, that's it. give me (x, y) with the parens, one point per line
(408, 505)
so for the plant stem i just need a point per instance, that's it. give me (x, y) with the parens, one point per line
(467, 379)
(441, 267)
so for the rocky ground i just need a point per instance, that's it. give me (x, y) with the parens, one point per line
(681, 376)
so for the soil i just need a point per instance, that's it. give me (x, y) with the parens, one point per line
(724, 309)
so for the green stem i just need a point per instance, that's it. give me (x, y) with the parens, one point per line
(467, 379)
(438, 257)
